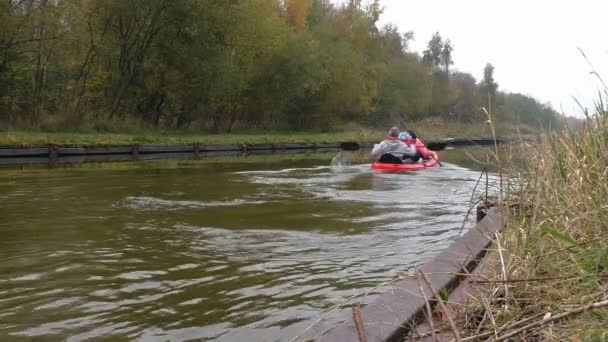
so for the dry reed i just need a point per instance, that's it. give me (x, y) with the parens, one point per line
(555, 245)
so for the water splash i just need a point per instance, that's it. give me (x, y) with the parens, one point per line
(339, 162)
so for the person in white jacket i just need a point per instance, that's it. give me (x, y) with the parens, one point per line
(392, 150)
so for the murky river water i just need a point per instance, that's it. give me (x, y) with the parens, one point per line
(220, 250)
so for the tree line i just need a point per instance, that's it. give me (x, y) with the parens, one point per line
(221, 65)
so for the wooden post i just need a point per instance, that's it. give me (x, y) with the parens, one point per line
(53, 154)
(197, 150)
(482, 210)
(135, 151)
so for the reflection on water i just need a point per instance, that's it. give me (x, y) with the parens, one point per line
(209, 250)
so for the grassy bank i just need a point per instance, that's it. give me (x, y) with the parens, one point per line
(62, 138)
(427, 130)
(555, 247)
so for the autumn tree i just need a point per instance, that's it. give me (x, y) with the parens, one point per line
(297, 12)
(221, 66)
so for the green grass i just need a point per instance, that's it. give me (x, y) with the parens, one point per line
(41, 138)
(427, 130)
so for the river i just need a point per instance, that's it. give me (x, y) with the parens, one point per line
(227, 249)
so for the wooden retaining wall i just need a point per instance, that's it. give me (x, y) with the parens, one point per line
(473, 142)
(52, 154)
(390, 316)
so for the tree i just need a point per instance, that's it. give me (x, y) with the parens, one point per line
(319, 11)
(135, 25)
(297, 12)
(519, 108)
(488, 86)
(438, 56)
(432, 55)
(446, 56)
(404, 91)
(216, 65)
(488, 79)
(464, 86)
(395, 43)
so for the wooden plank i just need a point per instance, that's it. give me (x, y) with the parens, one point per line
(457, 301)
(173, 155)
(472, 142)
(223, 153)
(298, 151)
(206, 148)
(255, 147)
(389, 317)
(327, 145)
(78, 159)
(326, 149)
(93, 150)
(298, 145)
(23, 161)
(153, 148)
(60, 154)
(7, 152)
(261, 152)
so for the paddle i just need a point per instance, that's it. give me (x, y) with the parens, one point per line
(437, 145)
(433, 146)
(350, 146)
(438, 162)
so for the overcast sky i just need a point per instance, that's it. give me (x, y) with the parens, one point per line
(531, 43)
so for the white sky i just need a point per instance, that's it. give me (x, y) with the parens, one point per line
(532, 44)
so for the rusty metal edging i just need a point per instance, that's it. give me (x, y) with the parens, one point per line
(391, 315)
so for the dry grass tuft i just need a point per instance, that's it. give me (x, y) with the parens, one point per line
(554, 282)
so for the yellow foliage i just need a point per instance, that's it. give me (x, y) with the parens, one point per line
(297, 12)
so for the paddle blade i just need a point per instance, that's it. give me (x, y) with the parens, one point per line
(437, 145)
(350, 146)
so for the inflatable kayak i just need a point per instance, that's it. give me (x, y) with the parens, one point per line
(407, 167)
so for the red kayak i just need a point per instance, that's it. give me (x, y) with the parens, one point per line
(407, 167)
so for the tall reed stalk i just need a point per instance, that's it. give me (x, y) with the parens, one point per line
(555, 247)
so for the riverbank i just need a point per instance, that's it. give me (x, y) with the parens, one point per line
(552, 279)
(547, 277)
(104, 139)
(426, 130)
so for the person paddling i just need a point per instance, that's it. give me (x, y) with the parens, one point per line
(392, 150)
(410, 138)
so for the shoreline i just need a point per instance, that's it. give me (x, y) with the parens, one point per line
(396, 313)
(61, 154)
(54, 154)
(26, 139)
(425, 130)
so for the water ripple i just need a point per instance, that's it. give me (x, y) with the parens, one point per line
(168, 254)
